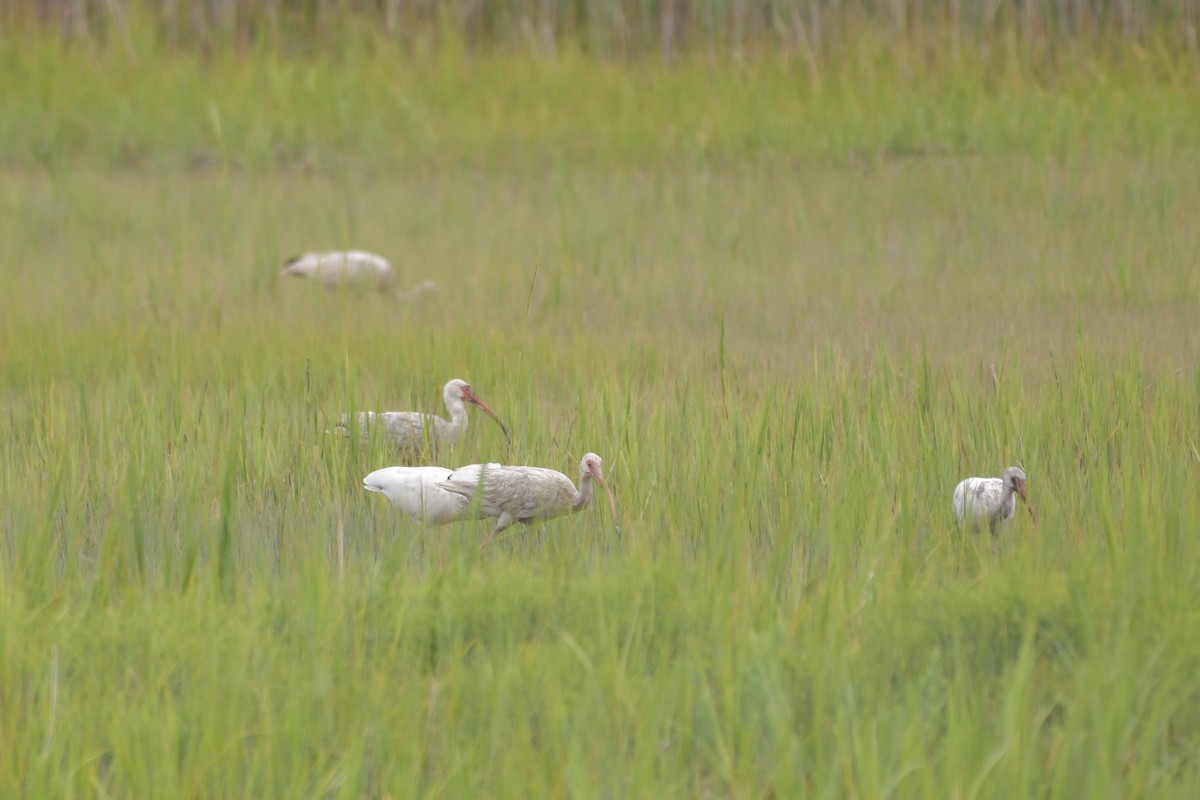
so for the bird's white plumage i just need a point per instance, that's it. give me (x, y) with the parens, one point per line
(989, 501)
(338, 267)
(526, 494)
(352, 267)
(414, 491)
(411, 431)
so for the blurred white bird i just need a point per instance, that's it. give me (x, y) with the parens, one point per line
(345, 267)
(990, 500)
(414, 491)
(527, 494)
(410, 431)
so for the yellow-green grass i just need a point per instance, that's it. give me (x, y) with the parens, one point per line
(374, 105)
(787, 359)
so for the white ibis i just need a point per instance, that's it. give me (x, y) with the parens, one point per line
(343, 267)
(409, 430)
(414, 491)
(990, 500)
(528, 494)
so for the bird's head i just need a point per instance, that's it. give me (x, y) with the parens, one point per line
(1015, 478)
(591, 467)
(459, 391)
(286, 269)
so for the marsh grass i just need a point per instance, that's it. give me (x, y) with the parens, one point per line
(358, 103)
(613, 29)
(787, 356)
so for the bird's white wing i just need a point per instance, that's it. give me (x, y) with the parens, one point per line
(976, 499)
(404, 429)
(335, 266)
(471, 473)
(465, 480)
(988, 493)
(529, 493)
(364, 259)
(361, 265)
(401, 426)
(525, 493)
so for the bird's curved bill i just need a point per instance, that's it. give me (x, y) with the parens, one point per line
(475, 400)
(1025, 499)
(612, 503)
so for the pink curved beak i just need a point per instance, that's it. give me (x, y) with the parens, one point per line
(474, 399)
(612, 503)
(1025, 499)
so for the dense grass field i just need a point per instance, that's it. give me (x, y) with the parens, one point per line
(788, 335)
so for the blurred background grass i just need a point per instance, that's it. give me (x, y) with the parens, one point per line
(305, 84)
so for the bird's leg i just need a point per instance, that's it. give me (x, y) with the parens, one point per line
(505, 520)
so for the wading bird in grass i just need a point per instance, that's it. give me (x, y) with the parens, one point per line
(345, 267)
(990, 501)
(410, 431)
(527, 494)
(414, 491)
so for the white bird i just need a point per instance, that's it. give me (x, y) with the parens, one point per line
(990, 500)
(414, 491)
(343, 267)
(410, 430)
(527, 494)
